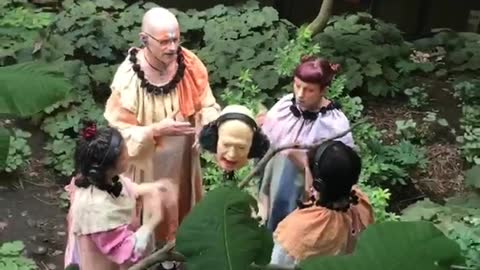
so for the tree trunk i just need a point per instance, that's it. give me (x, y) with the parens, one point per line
(322, 18)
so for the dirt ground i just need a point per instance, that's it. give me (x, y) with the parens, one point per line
(443, 176)
(32, 209)
(30, 212)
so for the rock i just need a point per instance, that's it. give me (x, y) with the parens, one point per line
(31, 223)
(40, 250)
(51, 266)
(3, 225)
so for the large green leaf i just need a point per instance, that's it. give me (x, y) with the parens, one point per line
(30, 87)
(220, 233)
(4, 145)
(395, 246)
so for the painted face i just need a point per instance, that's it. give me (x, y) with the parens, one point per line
(234, 141)
(308, 95)
(164, 44)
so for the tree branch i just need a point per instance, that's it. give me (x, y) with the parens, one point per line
(273, 151)
(164, 254)
(319, 23)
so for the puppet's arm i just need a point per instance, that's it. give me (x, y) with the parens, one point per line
(210, 109)
(157, 188)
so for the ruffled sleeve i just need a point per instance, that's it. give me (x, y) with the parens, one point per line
(313, 231)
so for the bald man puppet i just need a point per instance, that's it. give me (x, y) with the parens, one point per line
(160, 98)
(234, 138)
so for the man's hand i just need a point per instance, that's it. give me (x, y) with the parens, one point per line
(170, 127)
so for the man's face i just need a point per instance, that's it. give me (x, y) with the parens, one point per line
(233, 146)
(164, 44)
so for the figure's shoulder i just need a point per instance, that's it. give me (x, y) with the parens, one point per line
(126, 64)
(281, 105)
(124, 77)
(192, 61)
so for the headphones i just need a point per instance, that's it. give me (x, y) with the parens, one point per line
(319, 183)
(209, 135)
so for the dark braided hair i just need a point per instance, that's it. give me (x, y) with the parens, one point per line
(98, 151)
(335, 172)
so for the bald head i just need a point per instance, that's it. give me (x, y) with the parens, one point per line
(159, 19)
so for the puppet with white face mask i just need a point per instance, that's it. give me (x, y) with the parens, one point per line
(234, 138)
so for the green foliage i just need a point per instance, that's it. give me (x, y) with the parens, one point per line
(406, 129)
(468, 90)
(19, 26)
(458, 219)
(351, 105)
(431, 117)
(42, 84)
(19, 151)
(226, 235)
(417, 96)
(289, 56)
(244, 92)
(379, 199)
(469, 93)
(238, 38)
(394, 163)
(11, 257)
(371, 52)
(398, 245)
(64, 126)
(93, 29)
(461, 50)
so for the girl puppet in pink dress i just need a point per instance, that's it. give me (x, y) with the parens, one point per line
(101, 236)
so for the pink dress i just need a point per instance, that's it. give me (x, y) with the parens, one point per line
(100, 237)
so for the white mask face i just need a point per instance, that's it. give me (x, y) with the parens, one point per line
(234, 142)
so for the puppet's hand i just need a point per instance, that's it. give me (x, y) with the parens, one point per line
(142, 237)
(170, 127)
(299, 158)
